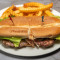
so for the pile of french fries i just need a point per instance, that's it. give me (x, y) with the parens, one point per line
(29, 9)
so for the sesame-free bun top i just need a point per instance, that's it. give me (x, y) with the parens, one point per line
(31, 27)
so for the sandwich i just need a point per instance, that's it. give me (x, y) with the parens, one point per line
(21, 31)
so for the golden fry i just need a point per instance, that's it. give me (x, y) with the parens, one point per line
(11, 11)
(32, 4)
(44, 14)
(17, 11)
(10, 8)
(25, 14)
(5, 15)
(48, 13)
(20, 14)
(30, 14)
(35, 4)
(29, 9)
(8, 12)
(39, 13)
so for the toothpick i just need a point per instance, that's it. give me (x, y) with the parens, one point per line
(11, 19)
(42, 18)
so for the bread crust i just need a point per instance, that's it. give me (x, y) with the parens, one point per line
(14, 31)
(47, 32)
(30, 27)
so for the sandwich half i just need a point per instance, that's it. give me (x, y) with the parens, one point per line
(22, 31)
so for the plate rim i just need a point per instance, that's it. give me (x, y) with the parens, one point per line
(30, 57)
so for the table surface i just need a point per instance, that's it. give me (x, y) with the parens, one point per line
(6, 3)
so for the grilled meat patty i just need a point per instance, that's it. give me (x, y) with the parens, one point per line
(29, 43)
(23, 43)
(45, 43)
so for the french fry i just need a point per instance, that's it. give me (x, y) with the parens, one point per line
(5, 15)
(10, 8)
(44, 14)
(17, 11)
(48, 13)
(20, 14)
(29, 9)
(30, 14)
(25, 14)
(39, 13)
(33, 4)
(8, 12)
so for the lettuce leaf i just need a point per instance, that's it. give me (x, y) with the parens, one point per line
(1, 19)
(56, 17)
(15, 40)
(12, 16)
(7, 17)
(58, 37)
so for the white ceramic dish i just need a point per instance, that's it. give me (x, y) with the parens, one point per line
(27, 52)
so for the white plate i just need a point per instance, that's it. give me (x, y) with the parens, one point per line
(30, 51)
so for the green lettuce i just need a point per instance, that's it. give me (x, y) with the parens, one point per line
(12, 16)
(1, 19)
(4, 18)
(58, 37)
(15, 40)
(7, 17)
(56, 17)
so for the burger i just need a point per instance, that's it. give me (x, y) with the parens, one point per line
(18, 32)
